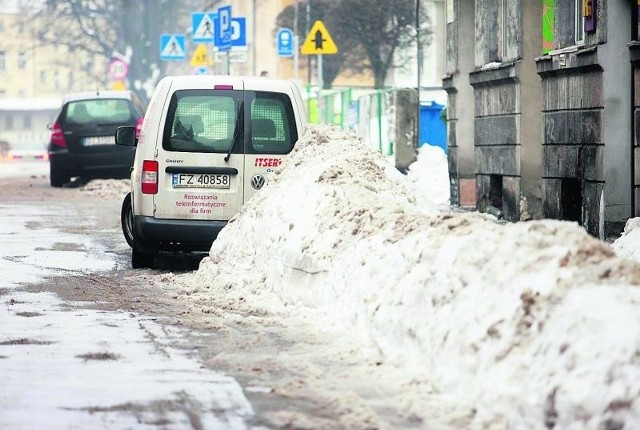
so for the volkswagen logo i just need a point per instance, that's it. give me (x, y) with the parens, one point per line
(257, 182)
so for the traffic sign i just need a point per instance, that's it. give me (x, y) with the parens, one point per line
(285, 42)
(118, 69)
(233, 56)
(223, 28)
(172, 47)
(202, 27)
(118, 85)
(200, 57)
(239, 31)
(319, 41)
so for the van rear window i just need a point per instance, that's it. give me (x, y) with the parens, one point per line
(206, 121)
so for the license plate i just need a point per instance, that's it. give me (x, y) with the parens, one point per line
(99, 140)
(200, 180)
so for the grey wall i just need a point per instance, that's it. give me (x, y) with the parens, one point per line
(531, 124)
(616, 81)
(460, 62)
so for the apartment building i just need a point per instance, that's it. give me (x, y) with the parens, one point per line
(543, 117)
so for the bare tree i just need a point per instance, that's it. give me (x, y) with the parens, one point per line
(108, 29)
(348, 52)
(370, 34)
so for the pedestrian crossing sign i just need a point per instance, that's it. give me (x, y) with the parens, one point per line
(202, 27)
(318, 41)
(172, 47)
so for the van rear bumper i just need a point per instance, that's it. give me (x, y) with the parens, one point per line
(173, 234)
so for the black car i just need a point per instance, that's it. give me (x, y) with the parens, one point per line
(82, 140)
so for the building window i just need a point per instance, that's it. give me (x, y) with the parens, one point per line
(43, 76)
(569, 23)
(22, 60)
(56, 81)
(497, 25)
(3, 60)
(8, 122)
(1, 26)
(578, 35)
(27, 121)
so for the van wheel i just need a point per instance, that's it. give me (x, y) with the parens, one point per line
(57, 178)
(126, 219)
(141, 260)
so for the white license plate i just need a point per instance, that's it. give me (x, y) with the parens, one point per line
(200, 180)
(99, 140)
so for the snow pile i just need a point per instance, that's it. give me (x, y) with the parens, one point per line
(107, 188)
(525, 325)
(627, 244)
(430, 172)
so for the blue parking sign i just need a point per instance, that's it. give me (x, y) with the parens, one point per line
(223, 28)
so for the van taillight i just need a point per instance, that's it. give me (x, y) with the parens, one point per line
(57, 136)
(139, 127)
(149, 183)
(223, 87)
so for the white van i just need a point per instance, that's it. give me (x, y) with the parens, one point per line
(206, 145)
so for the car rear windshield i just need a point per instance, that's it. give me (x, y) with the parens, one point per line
(206, 121)
(100, 111)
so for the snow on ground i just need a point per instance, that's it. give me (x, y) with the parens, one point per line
(521, 325)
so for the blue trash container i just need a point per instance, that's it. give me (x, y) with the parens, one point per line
(433, 128)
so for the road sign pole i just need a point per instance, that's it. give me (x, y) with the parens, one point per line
(296, 57)
(320, 82)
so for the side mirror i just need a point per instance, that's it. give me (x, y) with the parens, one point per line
(126, 136)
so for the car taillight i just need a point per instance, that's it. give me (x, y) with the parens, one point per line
(139, 127)
(149, 183)
(57, 136)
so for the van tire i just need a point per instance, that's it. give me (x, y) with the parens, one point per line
(142, 260)
(126, 220)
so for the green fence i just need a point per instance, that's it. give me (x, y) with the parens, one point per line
(369, 112)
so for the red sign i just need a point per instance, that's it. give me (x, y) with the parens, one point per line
(118, 69)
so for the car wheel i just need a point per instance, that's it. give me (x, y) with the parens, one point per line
(141, 260)
(126, 219)
(57, 178)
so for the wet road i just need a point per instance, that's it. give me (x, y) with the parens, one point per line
(64, 365)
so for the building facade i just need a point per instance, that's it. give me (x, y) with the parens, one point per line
(554, 127)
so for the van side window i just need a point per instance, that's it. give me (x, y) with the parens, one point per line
(272, 126)
(201, 121)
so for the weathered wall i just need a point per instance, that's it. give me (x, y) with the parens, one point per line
(587, 95)
(617, 79)
(634, 53)
(460, 62)
(507, 117)
(531, 127)
(573, 109)
(406, 125)
(497, 137)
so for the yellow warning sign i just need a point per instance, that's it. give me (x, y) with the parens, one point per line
(118, 85)
(200, 58)
(318, 41)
